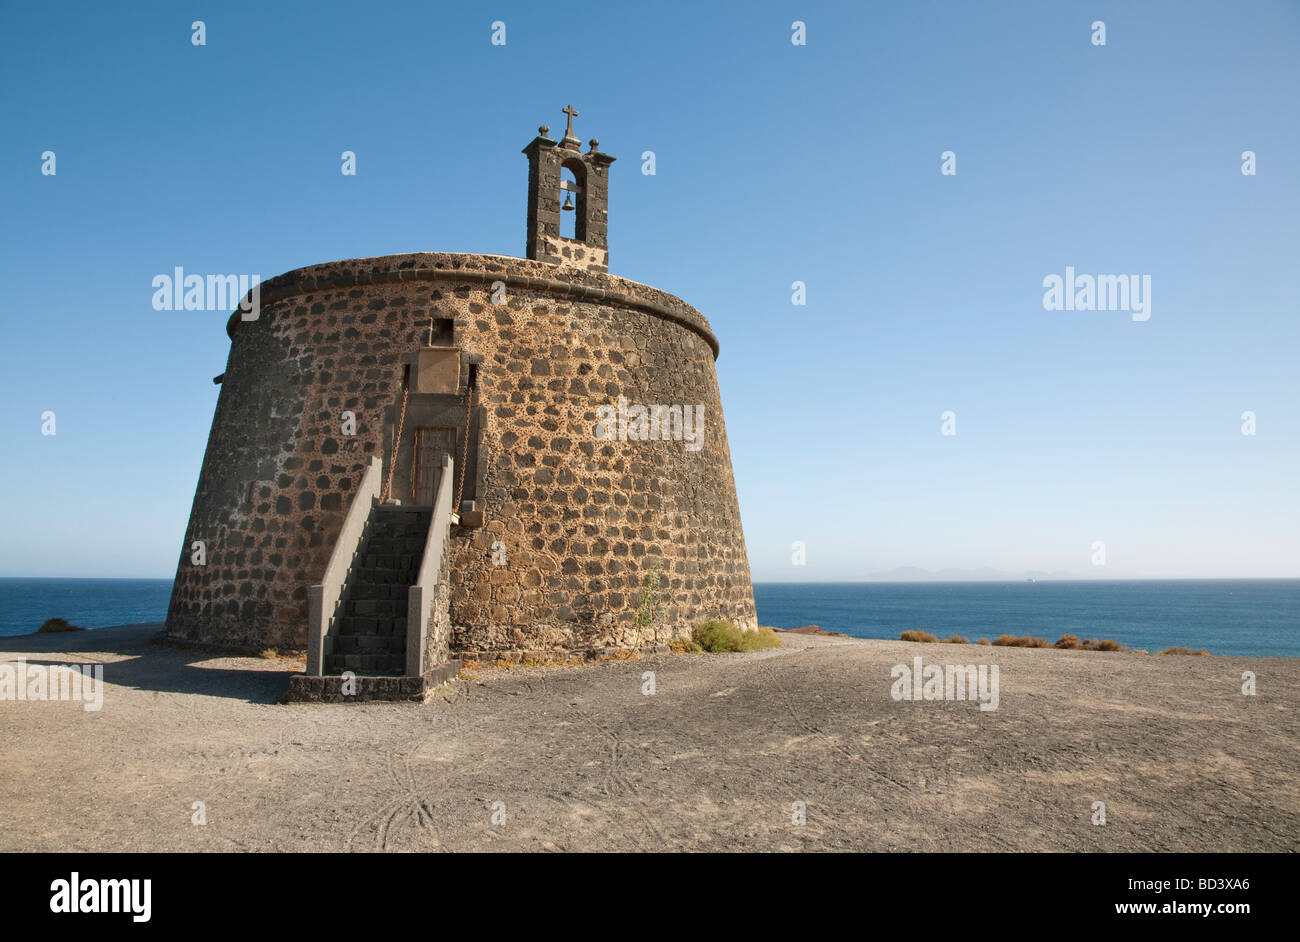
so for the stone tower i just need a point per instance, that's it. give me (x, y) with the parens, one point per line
(419, 457)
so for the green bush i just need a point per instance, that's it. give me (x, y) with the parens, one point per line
(58, 624)
(717, 636)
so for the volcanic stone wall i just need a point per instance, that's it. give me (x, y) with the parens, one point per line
(578, 530)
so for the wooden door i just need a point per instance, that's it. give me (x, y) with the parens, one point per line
(431, 444)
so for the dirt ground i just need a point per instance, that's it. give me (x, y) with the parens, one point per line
(715, 759)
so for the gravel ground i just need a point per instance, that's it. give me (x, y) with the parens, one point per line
(714, 760)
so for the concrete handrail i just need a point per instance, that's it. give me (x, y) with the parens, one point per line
(420, 596)
(323, 599)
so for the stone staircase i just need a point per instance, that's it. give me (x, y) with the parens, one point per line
(371, 620)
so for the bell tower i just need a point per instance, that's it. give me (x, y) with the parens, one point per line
(551, 194)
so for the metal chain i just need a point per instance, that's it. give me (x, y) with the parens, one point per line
(397, 441)
(464, 455)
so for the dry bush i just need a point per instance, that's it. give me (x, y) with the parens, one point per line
(1024, 641)
(922, 636)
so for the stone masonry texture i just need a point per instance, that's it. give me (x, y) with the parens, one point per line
(585, 524)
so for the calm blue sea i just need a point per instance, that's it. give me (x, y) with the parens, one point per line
(25, 604)
(1246, 617)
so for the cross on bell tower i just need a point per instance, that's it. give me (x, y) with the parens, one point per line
(547, 161)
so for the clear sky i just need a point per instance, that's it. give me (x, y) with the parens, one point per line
(775, 163)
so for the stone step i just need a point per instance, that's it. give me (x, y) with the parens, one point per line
(382, 608)
(374, 575)
(378, 591)
(410, 546)
(372, 561)
(371, 625)
(370, 644)
(389, 665)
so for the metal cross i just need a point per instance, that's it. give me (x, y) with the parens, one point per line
(572, 113)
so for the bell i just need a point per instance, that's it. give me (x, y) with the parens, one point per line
(568, 202)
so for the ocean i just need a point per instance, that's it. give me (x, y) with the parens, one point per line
(1244, 617)
(25, 604)
(1252, 617)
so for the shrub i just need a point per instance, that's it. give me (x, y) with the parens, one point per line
(684, 646)
(985, 641)
(1105, 644)
(717, 636)
(1182, 650)
(270, 654)
(58, 624)
(1068, 642)
(1024, 641)
(954, 639)
(922, 636)
(647, 603)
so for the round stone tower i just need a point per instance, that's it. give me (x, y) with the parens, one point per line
(594, 504)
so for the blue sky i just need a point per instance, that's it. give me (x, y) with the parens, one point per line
(775, 163)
